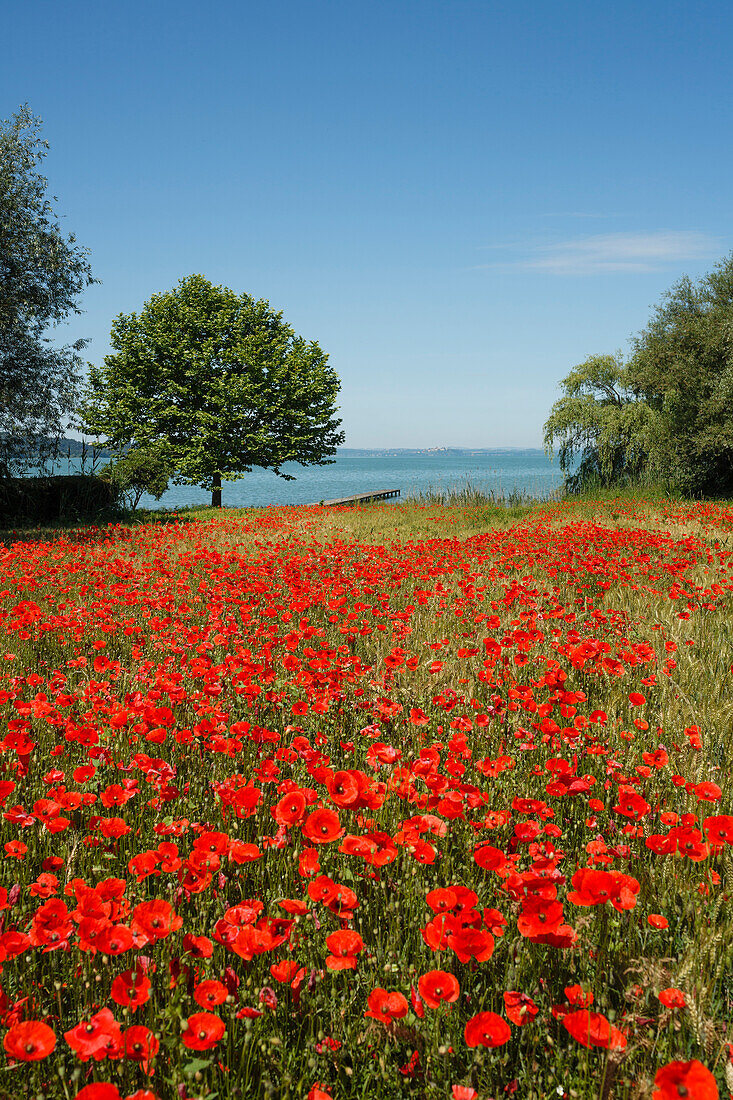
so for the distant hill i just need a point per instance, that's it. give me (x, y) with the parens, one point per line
(77, 447)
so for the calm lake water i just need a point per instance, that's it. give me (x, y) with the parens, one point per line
(361, 471)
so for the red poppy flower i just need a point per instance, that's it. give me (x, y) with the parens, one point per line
(672, 998)
(90, 1038)
(581, 998)
(290, 972)
(344, 947)
(291, 808)
(520, 1008)
(708, 792)
(203, 1032)
(130, 989)
(691, 1079)
(114, 939)
(141, 1045)
(98, 1090)
(385, 1006)
(719, 829)
(491, 859)
(200, 947)
(319, 1093)
(593, 1029)
(30, 1041)
(343, 788)
(442, 901)
(154, 920)
(656, 920)
(539, 917)
(438, 986)
(486, 1030)
(209, 994)
(322, 826)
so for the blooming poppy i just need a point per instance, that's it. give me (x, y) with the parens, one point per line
(208, 994)
(539, 917)
(672, 998)
(200, 947)
(438, 986)
(385, 1006)
(490, 858)
(719, 829)
(154, 920)
(90, 1038)
(442, 900)
(520, 1008)
(344, 947)
(131, 988)
(317, 1092)
(471, 943)
(203, 1031)
(291, 808)
(691, 1079)
(29, 1041)
(593, 1029)
(322, 826)
(141, 1045)
(486, 1030)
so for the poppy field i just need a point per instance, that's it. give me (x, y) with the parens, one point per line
(396, 802)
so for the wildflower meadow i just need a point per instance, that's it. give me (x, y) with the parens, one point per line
(392, 802)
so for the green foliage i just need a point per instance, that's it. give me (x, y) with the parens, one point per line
(220, 380)
(682, 364)
(42, 274)
(599, 426)
(141, 471)
(666, 415)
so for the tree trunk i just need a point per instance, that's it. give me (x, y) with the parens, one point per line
(216, 492)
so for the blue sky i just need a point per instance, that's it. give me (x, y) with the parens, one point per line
(459, 200)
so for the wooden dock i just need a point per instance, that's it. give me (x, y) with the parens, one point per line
(360, 498)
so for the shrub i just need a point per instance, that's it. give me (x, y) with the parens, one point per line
(60, 497)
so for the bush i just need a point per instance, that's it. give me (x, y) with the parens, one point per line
(140, 471)
(61, 497)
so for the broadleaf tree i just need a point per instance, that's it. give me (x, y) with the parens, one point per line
(682, 364)
(42, 274)
(219, 380)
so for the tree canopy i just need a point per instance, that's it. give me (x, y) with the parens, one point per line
(218, 383)
(666, 414)
(682, 365)
(42, 274)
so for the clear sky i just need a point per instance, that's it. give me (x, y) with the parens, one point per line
(460, 200)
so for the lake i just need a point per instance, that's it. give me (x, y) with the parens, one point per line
(501, 471)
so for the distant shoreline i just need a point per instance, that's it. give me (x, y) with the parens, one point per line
(77, 446)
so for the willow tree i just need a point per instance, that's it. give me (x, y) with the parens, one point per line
(600, 427)
(215, 383)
